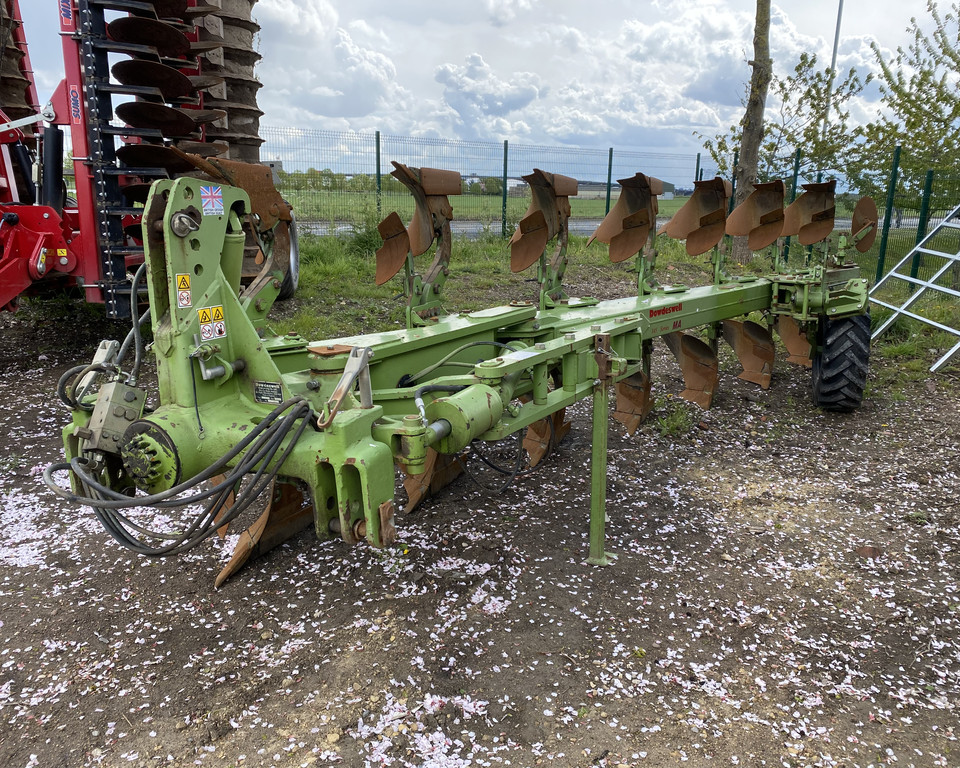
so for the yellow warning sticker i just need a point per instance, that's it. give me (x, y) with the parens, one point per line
(204, 315)
(217, 313)
(183, 282)
(61, 252)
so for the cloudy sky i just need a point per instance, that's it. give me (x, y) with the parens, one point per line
(594, 73)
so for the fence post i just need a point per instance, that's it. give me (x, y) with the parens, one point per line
(609, 179)
(885, 232)
(793, 196)
(796, 176)
(503, 212)
(696, 173)
(379, 180)
(922, 224)
(733, 183)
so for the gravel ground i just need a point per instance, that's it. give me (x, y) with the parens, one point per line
(786, 595)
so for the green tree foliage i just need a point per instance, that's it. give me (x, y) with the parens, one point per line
(483, 185)
(921, 104)
(794, 120)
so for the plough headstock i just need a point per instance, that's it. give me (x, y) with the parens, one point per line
(702, 218)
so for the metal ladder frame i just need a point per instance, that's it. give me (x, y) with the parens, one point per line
(950, 261)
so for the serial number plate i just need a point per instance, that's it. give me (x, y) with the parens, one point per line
(267, 392)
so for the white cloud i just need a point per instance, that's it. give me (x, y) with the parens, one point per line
(314, 19)
(565, 71)
(502, 12)
(481, 99)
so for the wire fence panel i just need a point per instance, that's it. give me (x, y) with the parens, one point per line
(328, 176)
(479, 163)
(338, 180)
(919, 199)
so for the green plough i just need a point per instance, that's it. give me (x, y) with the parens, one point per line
(321, 426)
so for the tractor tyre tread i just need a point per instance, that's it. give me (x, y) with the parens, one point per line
(840, 366)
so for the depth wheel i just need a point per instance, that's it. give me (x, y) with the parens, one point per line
(841, 362)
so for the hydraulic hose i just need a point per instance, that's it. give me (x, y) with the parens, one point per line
(263, 443)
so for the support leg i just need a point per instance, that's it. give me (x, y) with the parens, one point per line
(598, 467)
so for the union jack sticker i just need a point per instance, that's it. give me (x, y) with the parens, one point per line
(211, 199)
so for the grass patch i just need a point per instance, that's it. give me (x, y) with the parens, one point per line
(356, 206)
(672, 417)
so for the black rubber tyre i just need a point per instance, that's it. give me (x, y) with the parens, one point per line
(292, 277)
(841, 362)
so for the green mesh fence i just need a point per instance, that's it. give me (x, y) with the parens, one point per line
(328, 176)
(914, 221)
(919, 200)
(480, 165)
(332, 178)
(338, 180)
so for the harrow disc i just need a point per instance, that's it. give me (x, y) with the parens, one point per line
(145, 114)
(166, 39)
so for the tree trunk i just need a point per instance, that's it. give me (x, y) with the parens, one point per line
(752, 136)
